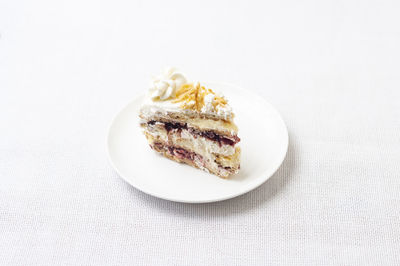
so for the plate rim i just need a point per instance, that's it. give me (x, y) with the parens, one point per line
(223, 198)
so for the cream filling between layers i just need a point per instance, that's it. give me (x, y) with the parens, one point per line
(198, 144)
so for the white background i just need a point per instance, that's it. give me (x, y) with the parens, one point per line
(332, 68)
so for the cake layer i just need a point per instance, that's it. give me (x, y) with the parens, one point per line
(220, 126)
(208, 161)
(199, 126)
(187, 140)
(207, 140)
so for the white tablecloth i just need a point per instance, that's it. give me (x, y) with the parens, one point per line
(332, 68)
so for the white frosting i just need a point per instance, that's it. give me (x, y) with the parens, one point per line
(150, 107)
(208, 103)
(165, 85)
(162, 93)
(224, 111)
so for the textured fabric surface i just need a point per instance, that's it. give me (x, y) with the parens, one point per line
(330, 67)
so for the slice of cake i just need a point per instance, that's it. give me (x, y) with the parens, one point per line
(189, 123)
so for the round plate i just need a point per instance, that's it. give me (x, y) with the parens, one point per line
(264, 142)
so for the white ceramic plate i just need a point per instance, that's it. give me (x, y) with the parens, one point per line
(264, 142)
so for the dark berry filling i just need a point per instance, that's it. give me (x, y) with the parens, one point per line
(211, 135)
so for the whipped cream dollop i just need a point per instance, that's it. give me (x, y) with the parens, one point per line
(165, 85)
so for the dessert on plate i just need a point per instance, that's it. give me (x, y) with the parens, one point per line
(190, 123)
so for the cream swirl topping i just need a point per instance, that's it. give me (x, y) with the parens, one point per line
(165, 85)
